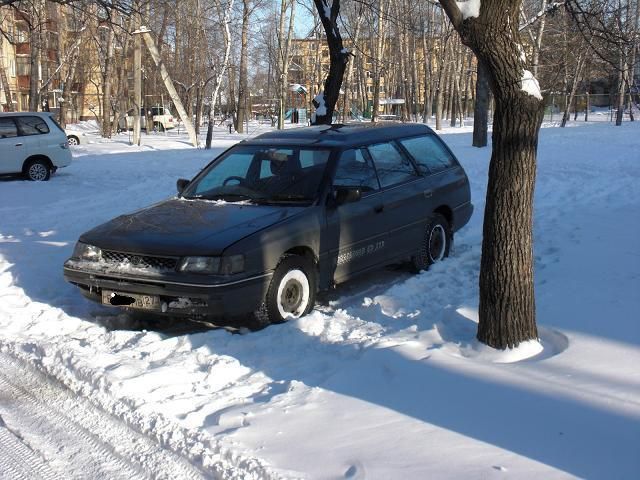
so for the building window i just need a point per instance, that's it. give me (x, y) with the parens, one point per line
(22, 36)
(23, 65)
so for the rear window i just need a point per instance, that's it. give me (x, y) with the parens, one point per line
(8, 128)
(32, 126)
(55, 122)
(429, 153)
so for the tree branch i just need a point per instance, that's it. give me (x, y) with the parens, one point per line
(453, 12)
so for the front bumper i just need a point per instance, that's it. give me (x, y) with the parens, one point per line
(215, 300)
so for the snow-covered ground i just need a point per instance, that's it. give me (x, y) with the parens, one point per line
(384, 378)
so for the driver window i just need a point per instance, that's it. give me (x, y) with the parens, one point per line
(355, 170)
(236, 165)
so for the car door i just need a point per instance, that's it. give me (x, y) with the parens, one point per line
(13, 150)
(33, 132)
(406, 201)
(356, 236)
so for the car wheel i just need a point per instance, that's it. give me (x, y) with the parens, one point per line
(73, 140)
(38, 170)
(435, 243)
(291, 293)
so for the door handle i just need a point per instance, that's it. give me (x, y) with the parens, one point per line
(378, 208)
(428, 193)
(18, 144)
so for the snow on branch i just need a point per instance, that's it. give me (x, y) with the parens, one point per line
(552, 7)
(469, 9)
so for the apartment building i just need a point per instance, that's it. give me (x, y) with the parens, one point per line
(44, 43)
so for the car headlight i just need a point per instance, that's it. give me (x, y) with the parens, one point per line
(213, 265)
(84, 251)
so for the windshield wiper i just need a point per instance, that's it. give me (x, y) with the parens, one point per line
(230, 197)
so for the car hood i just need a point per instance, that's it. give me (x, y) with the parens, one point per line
(179, 227)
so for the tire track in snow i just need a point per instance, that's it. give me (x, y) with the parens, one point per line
(19, 462)
(71, 436)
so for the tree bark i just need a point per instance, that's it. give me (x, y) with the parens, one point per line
(481, 109)
(106, 84)
(243, 85)
(348, 90)
(225, 19)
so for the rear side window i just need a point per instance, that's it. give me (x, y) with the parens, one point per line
(55, 122)
(430, 154)
(8, 128)
(32, 126)
(392, 166)
(354, 170)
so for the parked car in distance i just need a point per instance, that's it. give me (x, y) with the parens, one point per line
(73, 135)
(277, 218)
(161, 117)
(32, 144)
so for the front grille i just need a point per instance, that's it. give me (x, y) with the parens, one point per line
(139, 261)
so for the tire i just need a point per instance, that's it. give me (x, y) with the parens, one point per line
(38, 170)
(435, 245)
(73, 140)
(291, 293)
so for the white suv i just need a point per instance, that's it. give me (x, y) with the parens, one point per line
(161, 117)
(33, 144)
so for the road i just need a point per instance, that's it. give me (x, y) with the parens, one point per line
(48, 432)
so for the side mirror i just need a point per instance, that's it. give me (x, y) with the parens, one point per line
(344, 195)
(182, 184)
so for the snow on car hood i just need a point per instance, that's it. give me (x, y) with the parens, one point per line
(179, 227)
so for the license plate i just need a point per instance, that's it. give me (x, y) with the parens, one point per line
(139, 301)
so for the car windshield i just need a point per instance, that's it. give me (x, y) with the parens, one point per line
(262, 175)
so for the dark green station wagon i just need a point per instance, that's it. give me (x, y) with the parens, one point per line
(277, 218)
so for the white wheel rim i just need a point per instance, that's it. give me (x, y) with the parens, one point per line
(438, 237)
(294, 284)
(72, 141)
(37, 171)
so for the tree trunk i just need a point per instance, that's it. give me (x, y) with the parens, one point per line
(348, 90)
(4, 84)
(572, 93)
(507, 301)
(106, 84)
(379, 53)
(186, 119)
(243, 85)
(225, 18)
(35, 39)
